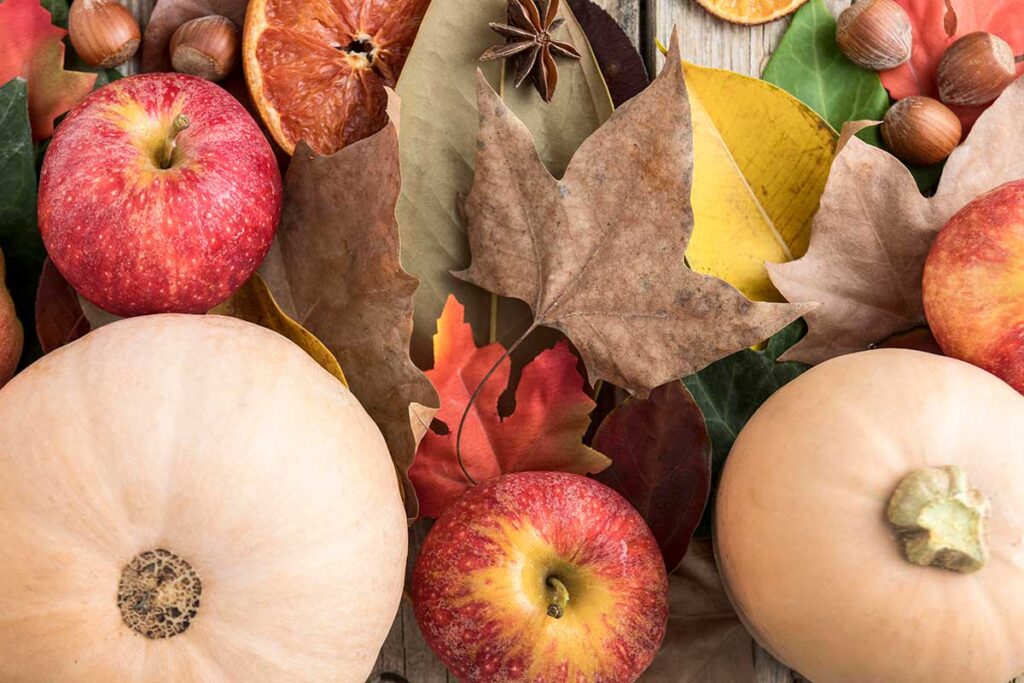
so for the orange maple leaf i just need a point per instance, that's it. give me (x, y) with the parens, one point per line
(545, 432)
(32, 48)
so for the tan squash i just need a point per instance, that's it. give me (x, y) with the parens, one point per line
(870, 522)
(192, 499)
(11, 334)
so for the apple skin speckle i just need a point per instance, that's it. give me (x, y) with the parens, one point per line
(480, 589)
(135, 238)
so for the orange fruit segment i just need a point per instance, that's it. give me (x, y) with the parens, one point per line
(316, 69)
(751, 11)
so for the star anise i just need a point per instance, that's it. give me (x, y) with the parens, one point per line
(529, 42)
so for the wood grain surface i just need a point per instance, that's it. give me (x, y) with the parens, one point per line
(707, 41)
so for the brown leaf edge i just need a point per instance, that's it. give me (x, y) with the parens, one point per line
(339, 234)
(60, 319)
(254, 303)
(661, 463)
(705, 640)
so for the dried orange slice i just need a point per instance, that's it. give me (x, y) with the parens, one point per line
(751, 11)
(316, 69)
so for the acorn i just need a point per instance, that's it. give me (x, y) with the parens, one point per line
(921, 130)
(103, 32)
(875, 34)
(206, 47)
(976, 69)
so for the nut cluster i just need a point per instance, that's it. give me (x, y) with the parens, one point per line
(105, 34)
(975, 69)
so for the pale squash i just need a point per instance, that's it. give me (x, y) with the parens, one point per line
(824, 511)
(192, 499)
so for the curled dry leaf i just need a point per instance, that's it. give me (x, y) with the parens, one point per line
(254, 303)
(438, 146)
(705, 641)
(621, 65)
(339, 271)
(168, 15)
(60, 319)
(661, 463)
(598, 255)
(545, 431)
(32, 48)
(937, 25)
(874, 229)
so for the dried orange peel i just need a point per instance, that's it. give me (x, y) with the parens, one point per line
(316, 70)
(750, 11)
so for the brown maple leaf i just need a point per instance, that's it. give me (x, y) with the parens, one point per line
(872, 234)
(598, 255)
(338, 243)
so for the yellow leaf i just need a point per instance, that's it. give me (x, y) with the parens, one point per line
(761, 160)
(254, 303)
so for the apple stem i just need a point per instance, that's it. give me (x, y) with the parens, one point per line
(179, 124)
(1019, 58)
(473, 397)
(559, 599)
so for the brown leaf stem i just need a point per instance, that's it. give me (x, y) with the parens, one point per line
(476, 393)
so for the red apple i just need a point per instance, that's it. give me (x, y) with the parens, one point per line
(974, 284)
(542, 577)
(11, 334)
(158, 193)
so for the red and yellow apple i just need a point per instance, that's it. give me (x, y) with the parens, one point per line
(543, 577)
(974, 284)
(157, 194)
(11, 333)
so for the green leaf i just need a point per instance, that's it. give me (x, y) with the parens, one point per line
(730, 391)
(19, 237)
(809, 65)
(58, 10)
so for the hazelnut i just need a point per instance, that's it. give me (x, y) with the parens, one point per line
(206, 47)
(976, 69)
(103, 32)
(920, 130)
(875, 34)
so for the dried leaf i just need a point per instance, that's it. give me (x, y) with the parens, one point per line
(438, 146)
(661, 463)
(621, 65)
(705, 641)
(254, 303)
(937, 24)
(60, 319)
(339, 271)
(31, 47)
(545, 431)
(168, 15)
(599, 254)
(873, 231)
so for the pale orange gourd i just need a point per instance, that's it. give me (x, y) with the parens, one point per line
(192, 499)
(815, 549)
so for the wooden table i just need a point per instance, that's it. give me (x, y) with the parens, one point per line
(705, 40)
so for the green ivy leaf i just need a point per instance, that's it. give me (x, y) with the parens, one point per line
(19, 238)
(809, 65)
(732, 389)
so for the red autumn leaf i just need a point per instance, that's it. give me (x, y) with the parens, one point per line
(544, 432)
(661, 463)
(937, 23)
(31, 48)
(60, 319)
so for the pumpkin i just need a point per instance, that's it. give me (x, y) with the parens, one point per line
(11, 335)
(192, 499)
(870, 522)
